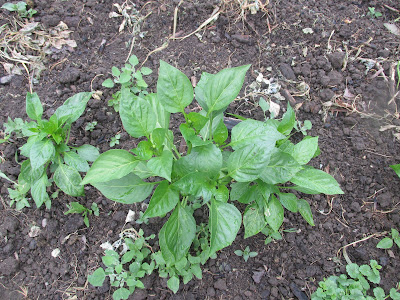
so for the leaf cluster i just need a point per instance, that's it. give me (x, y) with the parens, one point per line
(356, 286)
(77, 208)
(20, 8)
(125, 269)
(47, 149)
(253, 167)
(128, 77)
(16, 126)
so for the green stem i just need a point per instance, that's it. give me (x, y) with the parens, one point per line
(184, 201)
(67, 140)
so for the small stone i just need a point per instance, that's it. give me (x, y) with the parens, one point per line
(248, 294)
(211, 292)
(355, 206)
(326, 94)
(70, 75)
(336, 59)
(50, 20)
(221, 284)
(350, 121)
(384, 53)
(6, 79)
(332, 79)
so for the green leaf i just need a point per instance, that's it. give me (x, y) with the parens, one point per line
(68, 180)
(396, 168)
(162, 116)
(164, 199)
(174, 90)
(162, 165)
(305, 211)
(144, 150)
(108, 83)
(394, 294)
(238, 189)
(38, 191)
(133, 60)
(177, 234)
(146, 71)
(128, 189)
(379, 293)
(196, 120)
(216, 92)
(173, 284)
(246, 163)
(125, 76)
(196, 270)
(34, 107)
(27, 175)
(113, 164)
(288, 121)
(127, 257)
(250, 132)
(137, 115)
(10, 6)
(142, 171)
(121, 293)
(73, 108)
(274, 213)
(289, 201)
(225, 220)
(385, 243)
(221, 194)
(305, 150)
(115, 71)
(318, 181)
(191, 137)
(197, 184)
(253, 220)
(353, 270)
(88, 152)
(220, 134)
(40, 153)
(77, 162)
(281, 168)
(206, 159)
(97, 278)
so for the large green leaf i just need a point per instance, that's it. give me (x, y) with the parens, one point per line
(174, 90)
(113, 164)
(225, 220)
(177, 234)
(73, 108)
(38, 191)
(289, 201)
(197, 184)
(164, 199)
(274, 213)
(128, 189)
(77, 162)
(40, 153)
(162, 165)
(253, 220)
(288, 121)
(246, 163)
(88, 152)
(34, 108)
(250, 132)
(281, 168)
(216, 92)
(305, 150)
(137, 115)
(68, 180)
(97, 278)
(162, 116)
(27, 175)
(206, 159)
(317, 180)
(305, 211)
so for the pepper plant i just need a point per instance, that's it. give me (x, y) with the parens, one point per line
(256, 166)
(47, 148)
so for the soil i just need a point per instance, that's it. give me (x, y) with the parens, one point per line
(322, 73)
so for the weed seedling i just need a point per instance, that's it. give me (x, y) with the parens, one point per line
(374, 13)
(115, 140)
(387, 242)
(77, 208)
(90, 126)
(20, 8)
(246, 253)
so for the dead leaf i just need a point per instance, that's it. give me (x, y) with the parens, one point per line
(348, 96)
(257, 275)
(392, 28)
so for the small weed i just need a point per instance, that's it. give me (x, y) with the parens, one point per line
(77, 208)
(387, 242)
(20, 8)
(373, 13)
(246, 253)
(90, 126)
(115, 140)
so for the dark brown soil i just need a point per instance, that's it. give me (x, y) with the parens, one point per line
(353, 148)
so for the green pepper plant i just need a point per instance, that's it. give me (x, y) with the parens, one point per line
(256, 166)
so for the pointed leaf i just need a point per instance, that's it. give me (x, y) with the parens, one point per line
(34, 107)
(396, 168)
(305, 150)
(173, 283)
(174, 90)
(68, 180)
(74, 160)
(164, 199)
(121, 293)
(216, 92)
(177, 234)
(274, 213)
(108, 83)
(128, 189)
(97, 278)
(305, 211)
(385, 243)
(162, 116)
(288, 121)
(38, 191)
(197, 184)
(161, 166)
(88, 152)
(225, 220)
(113, 164)
(137, 116)
(317, 180)
(73, 107)
(253, 220)
(40, 153)
(289, 201)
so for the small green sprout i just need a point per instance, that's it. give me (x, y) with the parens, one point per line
(115, 140)
(374, 13)
(20, 8)
(77, 208)
(90, 126)
(246, 254)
